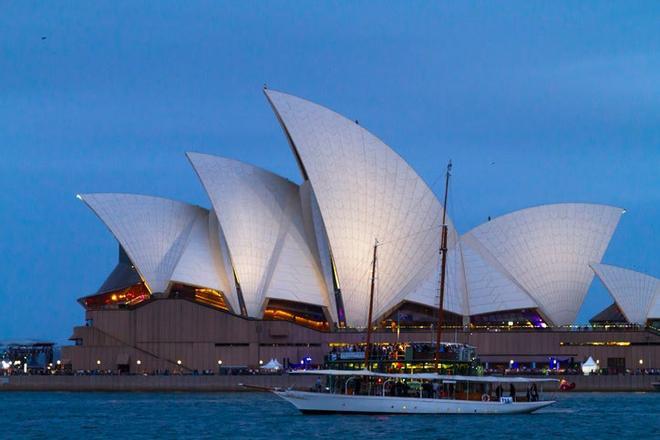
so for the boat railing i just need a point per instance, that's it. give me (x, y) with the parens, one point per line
(385, 383)
(347, 382)
(444, 389)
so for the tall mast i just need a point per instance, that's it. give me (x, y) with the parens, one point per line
(367, 351)
(443, 270)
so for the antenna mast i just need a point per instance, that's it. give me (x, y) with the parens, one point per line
(367, 351)
(443, 270)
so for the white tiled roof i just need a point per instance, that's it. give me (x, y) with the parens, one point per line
(548, 249)
(261, 217)
(365, 191)
(491, 288)
(636, 294)
(153, 231)
(202, 263)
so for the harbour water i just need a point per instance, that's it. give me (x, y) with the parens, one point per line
(262, 415)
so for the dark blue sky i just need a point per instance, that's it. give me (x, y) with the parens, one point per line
(564, 98)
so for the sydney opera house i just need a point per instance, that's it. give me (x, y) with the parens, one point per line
(281, 269)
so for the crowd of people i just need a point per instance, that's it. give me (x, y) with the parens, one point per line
(378, 351)
(575, 370)
(396, 352)
(432, 389)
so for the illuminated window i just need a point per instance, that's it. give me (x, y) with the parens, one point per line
(302, 314)
(209, 297)
(129, 296)
(597, 344)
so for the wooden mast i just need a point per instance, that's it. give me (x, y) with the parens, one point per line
(367, 351)
(443, 269)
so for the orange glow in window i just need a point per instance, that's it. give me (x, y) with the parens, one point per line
(285, 315)
(129, 296)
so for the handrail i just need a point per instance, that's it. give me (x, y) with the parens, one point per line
(388, 380)
(346, 384)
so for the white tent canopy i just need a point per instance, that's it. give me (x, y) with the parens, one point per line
(273, 364)
(589, 366)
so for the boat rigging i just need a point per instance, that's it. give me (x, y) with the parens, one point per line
(367, 352)
(443, 270)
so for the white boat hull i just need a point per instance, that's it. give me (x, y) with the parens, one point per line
(324, 403)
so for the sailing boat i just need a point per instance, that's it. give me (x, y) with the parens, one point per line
(421, 393)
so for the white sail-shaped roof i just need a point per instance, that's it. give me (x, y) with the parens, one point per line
(261, 216)
(202, 263)
(490, 287)
(635, 293)
(365, 191)
(318, 241)
(455, 299)
(654, 311)
(153, 231)
(548, 249)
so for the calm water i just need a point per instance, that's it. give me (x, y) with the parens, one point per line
(259, 415)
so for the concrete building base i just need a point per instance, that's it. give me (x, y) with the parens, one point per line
(178, 335)
(618, 383)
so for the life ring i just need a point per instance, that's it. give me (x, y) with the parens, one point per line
(485, 398)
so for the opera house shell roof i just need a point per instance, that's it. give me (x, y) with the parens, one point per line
(268, 239)
(636, 294)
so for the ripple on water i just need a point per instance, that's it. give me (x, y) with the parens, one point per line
(260, 415)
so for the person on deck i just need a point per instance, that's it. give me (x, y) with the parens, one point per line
(498, 391)
(534, 393)
(427, 389)
(512, 392)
